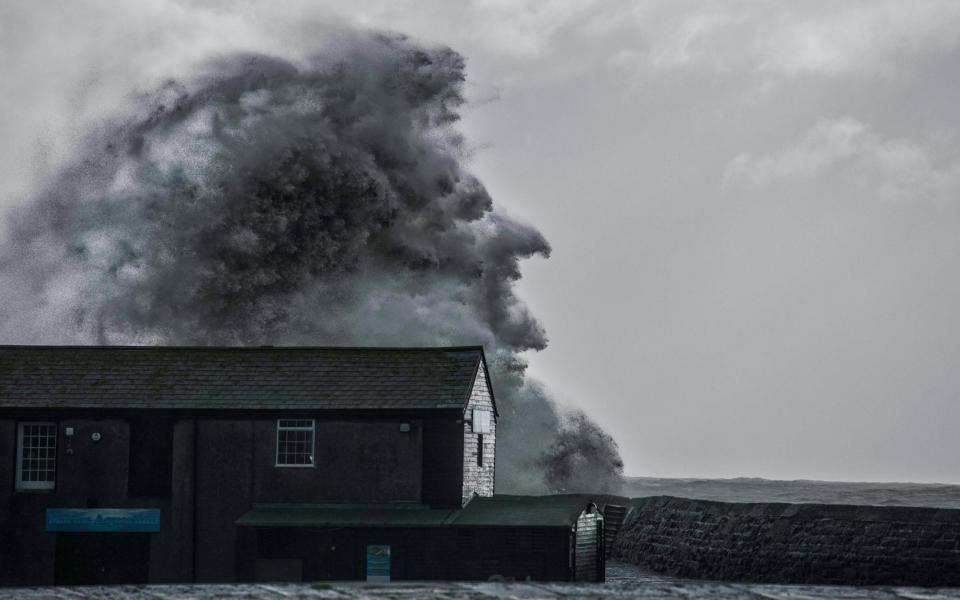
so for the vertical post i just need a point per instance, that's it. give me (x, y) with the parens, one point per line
(193, 536)
(573, 553)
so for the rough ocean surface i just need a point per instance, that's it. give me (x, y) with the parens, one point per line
(323, 199)
(935, 495)
(623, 581)
(479, 591)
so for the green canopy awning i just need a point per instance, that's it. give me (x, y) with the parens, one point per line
(496, 511)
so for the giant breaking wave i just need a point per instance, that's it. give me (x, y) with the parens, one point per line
(319, 201)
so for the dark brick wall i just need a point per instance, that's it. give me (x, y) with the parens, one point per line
(793, 543)
(429, 553)
(88, 474)
(442, 469)
(357, 461)
(361, 462)
(225, 455)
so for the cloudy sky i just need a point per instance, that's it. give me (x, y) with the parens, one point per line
(754, 206)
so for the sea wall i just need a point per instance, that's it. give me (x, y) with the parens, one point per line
(792, 543)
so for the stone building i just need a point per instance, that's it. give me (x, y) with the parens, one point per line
(166, 464)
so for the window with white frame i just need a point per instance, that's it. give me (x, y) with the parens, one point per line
(36, 456)
(481, 420)
(295, 442)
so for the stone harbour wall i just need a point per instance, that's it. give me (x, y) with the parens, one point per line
(792, 543)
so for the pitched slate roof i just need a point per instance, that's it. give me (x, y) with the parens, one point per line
(236, 378)
(495, 511)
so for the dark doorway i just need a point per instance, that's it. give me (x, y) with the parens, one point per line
(317, 554)
(151, 457)
(102, 558)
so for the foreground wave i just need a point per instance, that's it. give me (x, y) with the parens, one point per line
(457, 591)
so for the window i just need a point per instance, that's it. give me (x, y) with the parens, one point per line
(36, 456)
(481, 420)
(479, 449)
(295, 442)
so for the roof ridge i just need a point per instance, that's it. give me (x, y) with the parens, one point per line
(240, 348)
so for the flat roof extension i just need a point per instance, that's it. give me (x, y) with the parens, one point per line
(495, 511)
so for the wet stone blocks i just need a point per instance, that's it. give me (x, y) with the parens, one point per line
(793, 543)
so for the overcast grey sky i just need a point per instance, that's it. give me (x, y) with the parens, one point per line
(754, 206)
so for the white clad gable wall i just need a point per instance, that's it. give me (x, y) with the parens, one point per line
(479, 479)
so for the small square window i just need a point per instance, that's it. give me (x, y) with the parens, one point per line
(36, 456)
(295, 442)
(481, 420)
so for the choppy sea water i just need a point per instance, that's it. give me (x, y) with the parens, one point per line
(634, 588)
(623, 581)
(744, 489)
(624, 573)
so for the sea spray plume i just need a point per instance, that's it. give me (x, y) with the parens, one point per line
(582, 457)
(323, 201)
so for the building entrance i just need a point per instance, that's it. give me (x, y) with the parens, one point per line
(102, 558)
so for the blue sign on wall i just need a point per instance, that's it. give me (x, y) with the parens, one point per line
(103, 519)
(378, 563)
